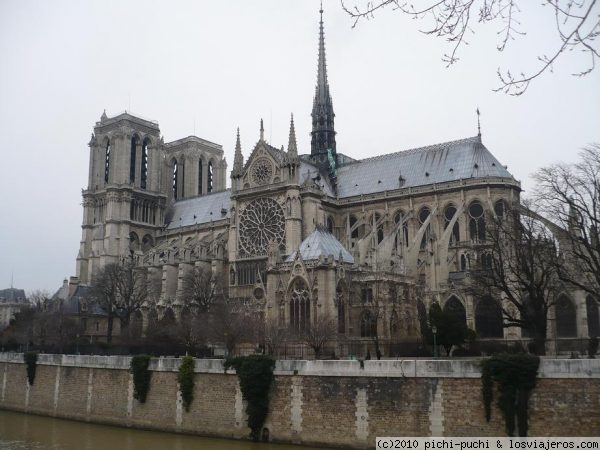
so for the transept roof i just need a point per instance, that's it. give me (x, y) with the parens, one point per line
(322, 243)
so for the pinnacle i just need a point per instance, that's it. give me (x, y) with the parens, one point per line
(292, 146)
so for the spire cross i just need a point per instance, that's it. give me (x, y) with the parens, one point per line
(478, 123)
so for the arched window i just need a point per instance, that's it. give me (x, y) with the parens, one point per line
(500, 208)
(168, 319)
(134, 241)
(423, 215)
(353, 232)
(299, 306)
(448, 215)
(134, 141)
(593, 320)
(488, 318)
(152, 320)
(341, 309)
(368, 324)
(476, 222)
(107, 162)
(175, 176)
(144, 165)
(393, 323)
(455, 308)
(486, 260)
(422, 311)
(200, 177)
(566, 323)
(210, 174)
(147, 243)
(330, 224)
(463, 262)
(402, 234)
(136, 325)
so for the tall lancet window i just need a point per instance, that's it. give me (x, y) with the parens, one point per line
(107, 162)
(175, 174)
(299, 306)
(144, 171)
(209, 181)
(200, 177)
(132, 160)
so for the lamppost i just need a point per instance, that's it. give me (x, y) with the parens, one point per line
(434, 331)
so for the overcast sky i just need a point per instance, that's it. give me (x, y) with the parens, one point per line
(211, 66)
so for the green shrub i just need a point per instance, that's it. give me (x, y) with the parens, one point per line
(185, 377)
(141, 376)
(255, 373)
(515, 375)
(31, 364)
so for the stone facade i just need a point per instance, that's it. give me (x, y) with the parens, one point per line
(371, 243)
(332, 403)
(11, 302)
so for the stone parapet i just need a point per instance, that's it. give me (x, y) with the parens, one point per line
(397, 368)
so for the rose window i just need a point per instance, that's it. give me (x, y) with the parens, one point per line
(261, 223)
(262, 171)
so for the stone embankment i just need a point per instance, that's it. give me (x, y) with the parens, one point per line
(333, 403)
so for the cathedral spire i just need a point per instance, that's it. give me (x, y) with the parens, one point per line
(323, 132)
(292, 146)
(238, 158)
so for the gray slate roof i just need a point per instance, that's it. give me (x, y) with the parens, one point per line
(309, 173)
(322, 243)
(201, 209)
(449, 161)
(12, 295)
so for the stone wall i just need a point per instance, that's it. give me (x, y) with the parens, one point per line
(334, 403)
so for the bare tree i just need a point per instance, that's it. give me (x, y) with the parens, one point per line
(120, 289)
(39, 299)
(520, 267)
(201, 289)
(577, 26)
(105, 292)
(569, 196)
(321, 331)
(132, 291)
(274, 337)
(228, 326)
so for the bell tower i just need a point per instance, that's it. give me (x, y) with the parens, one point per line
(124, 203)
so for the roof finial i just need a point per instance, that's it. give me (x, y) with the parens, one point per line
(478, 123)
(262, 130)
(103, 116)
(292, 146)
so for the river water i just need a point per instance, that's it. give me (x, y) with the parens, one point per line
(28, 432)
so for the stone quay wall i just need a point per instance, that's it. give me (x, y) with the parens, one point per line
(329, 403)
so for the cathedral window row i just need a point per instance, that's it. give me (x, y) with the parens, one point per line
(99, 211)
(476, 224)
(247, 273)
(143, 211)
(178, 186)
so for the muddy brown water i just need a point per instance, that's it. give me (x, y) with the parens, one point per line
(29, 432)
